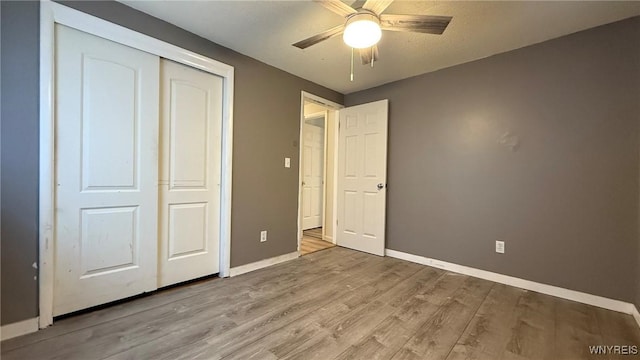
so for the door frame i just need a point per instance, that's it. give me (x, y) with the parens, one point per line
(53, 13)
(336, 107)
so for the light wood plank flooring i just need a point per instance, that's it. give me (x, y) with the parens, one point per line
(335, 304)
(312, 241)
(314, 233)
(310, 245)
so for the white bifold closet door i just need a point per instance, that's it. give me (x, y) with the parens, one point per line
(189, 173)
(106, 171)
(138, 151)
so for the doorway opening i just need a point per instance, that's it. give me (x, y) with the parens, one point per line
(318, 134)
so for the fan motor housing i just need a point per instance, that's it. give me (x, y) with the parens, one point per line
(362, 14)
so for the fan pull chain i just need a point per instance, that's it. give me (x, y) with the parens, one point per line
(352, 64)
(373, 55)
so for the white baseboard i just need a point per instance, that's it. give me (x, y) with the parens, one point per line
(589, 299)
(328, 238)
(18, 328)
(234, 271)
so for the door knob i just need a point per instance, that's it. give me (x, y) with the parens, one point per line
(380, 186)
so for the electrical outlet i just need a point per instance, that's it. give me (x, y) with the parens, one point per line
(500, 247)
(263, 235)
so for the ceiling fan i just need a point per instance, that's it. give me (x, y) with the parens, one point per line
(363, 27)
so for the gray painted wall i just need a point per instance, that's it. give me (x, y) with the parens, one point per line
(19, 153)
(266, 129)
(565, 198)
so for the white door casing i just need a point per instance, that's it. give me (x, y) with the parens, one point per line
(313, 176)
(191, 115)
(106, 171)
(362, 177)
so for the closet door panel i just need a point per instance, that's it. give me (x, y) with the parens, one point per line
(191, 118)
(106, 136)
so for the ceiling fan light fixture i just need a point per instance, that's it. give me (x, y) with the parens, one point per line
(362, 31)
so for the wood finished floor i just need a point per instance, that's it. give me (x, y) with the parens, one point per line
(314, 233)
(335, 304)
(312, 241)
(310, 245)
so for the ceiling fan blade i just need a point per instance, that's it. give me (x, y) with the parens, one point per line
(368, 54)
(320, 37)
(415, 23)
(377, 6)
(337, 7)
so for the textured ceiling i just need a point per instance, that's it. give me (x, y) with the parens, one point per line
(265, 31)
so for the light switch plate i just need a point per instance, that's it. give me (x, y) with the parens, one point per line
(287, 162)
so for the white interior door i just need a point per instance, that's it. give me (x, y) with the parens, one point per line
(313, 170)
(362, 177)
(190, 173)
(106, 171)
